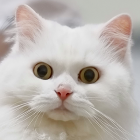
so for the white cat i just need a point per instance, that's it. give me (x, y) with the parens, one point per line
(60, 83)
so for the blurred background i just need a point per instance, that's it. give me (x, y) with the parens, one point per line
(76, 13)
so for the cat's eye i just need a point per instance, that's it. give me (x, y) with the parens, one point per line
(89, 75)
(42, 70)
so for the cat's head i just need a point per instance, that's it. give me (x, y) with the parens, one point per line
(69, 73)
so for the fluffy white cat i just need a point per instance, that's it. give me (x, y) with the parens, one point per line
(60, 83)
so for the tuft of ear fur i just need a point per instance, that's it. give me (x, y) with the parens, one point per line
(27, 22)
(117, 34)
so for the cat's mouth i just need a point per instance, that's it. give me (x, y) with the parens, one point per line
(62, 108)
(62, 113)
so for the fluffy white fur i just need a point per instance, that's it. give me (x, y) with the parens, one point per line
(104, 110)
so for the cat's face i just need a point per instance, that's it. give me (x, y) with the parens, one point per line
(67, 73)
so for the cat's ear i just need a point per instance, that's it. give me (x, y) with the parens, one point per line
(117, 34)
(27, 22)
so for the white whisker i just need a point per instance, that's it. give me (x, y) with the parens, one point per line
(29, 124)
(118, 127)
(100, 126)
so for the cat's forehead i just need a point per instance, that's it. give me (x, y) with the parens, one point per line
(68, 46)
(62, 39)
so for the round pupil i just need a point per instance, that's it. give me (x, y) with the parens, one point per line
(89, 75)
(42, 70)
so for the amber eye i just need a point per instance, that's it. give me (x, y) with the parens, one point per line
(43, 71)
(89, 75)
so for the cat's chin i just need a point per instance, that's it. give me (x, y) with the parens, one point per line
(62, 115)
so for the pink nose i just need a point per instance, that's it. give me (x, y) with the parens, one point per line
(63, 92)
